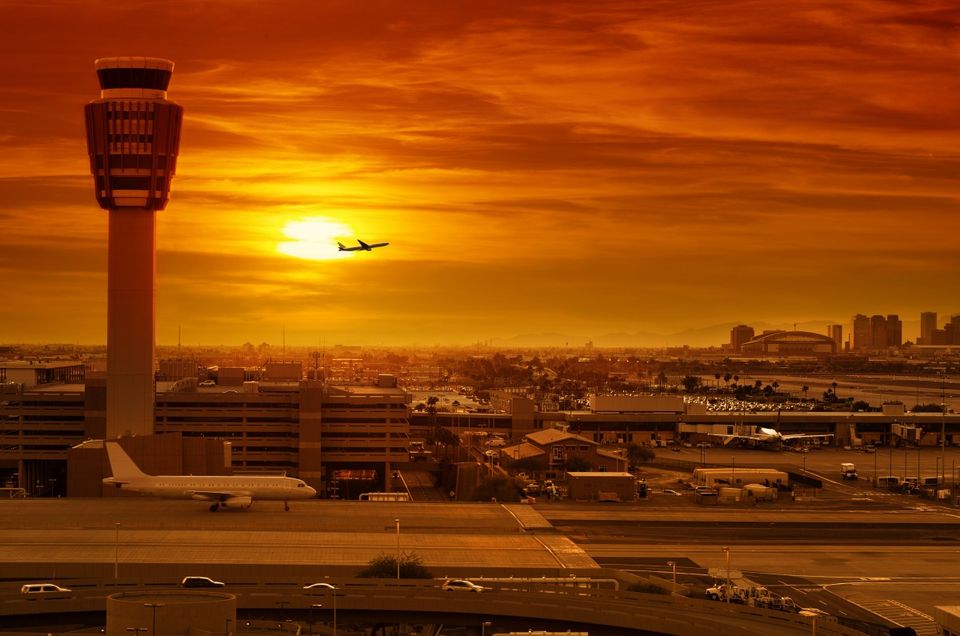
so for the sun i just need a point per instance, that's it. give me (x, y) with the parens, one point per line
(314, 238)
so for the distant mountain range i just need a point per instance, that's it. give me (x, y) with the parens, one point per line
(713, 335)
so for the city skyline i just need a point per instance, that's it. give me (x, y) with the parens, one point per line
(579, 169)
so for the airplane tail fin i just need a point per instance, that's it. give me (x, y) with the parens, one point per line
(122, 467)
(343, 248)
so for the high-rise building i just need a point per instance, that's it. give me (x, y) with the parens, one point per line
(878, 332)
(133, 137)
(928, 324)
(739, 335)
(951, 331)
(836, 333)
(894, 330)
(861, 334)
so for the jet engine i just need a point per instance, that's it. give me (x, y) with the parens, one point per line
(237, 502)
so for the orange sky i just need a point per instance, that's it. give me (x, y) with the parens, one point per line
(578, 168)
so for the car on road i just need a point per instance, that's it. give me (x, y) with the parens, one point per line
(461, 585)
(208, 383)
(44, 590)
(200, 581)
(315, 588)
(670, 491)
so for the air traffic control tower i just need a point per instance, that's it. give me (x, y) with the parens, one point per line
(133, 136)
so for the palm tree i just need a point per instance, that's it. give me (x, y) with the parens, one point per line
(776, 385)
(717, 376)
(834, 385)
(804, 388)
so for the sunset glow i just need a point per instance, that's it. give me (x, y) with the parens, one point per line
(608, 171)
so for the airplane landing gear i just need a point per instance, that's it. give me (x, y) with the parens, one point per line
(286, 507)
(214, 507)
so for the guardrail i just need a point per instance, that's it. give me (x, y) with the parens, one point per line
(655, 613)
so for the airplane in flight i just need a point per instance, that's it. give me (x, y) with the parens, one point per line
(366, 247)
(763, 436)
(224, 491)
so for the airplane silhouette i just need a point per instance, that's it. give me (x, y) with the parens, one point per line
(366, 247)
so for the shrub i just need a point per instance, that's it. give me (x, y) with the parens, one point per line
(385, 567)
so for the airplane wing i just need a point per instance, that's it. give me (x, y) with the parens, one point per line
(757, 438)
(794, 436)
(219, 495)
(363, 245)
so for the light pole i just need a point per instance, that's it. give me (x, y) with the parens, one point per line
(226, 627)
(334, 590)
(483, 627)
(726, 554)
(314, 606)
(673, 565)
(397, 523)
(116, 552)
(153, 622)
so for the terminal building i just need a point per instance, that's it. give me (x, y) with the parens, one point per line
(316, 431)
(304, 428)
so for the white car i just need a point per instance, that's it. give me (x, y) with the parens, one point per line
(668, 491)
(200, 581)
(461, 585)
(44, 590)
(208, 383)
(319, 587)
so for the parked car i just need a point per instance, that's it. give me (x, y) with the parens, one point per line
(461, 585)
(200, 581)
(208, 383)
(44, 590)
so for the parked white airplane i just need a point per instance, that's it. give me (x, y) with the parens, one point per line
(224, 491)
(362, 246)
(766, 436)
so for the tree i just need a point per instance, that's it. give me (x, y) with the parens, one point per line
(577, 465)
(717, 376)
(497, 487)
(432, 404)
(804, 388)
(861, 405)
(637, 454)
(834, 386)
(776, 385)
(691, 383)
(661, 380)
(385, 567)
(726, 377)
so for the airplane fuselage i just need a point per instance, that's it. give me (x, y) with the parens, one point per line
(186, 487)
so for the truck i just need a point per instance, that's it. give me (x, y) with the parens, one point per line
(848, 471)
(720, 592)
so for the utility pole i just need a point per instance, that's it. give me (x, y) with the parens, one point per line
(729, 590)
(397, 523)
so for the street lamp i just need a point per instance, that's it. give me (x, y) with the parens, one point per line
(116, 552)
(483, 627)
(673, 565)
(726, 554)
(397, 523)
(153, 623)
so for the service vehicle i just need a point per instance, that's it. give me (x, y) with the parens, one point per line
(848, 471)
